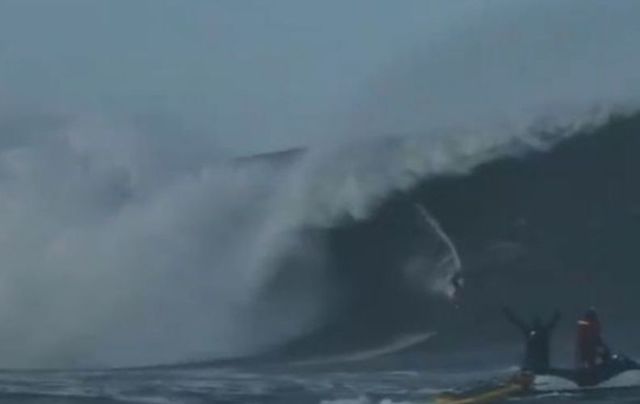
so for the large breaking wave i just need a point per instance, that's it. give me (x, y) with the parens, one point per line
(123, 247)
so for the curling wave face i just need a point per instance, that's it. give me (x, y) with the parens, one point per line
(114, 235)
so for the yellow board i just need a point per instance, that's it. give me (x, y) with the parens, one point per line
(499, 393)
(520, 383)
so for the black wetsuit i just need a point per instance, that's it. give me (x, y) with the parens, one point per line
(537, 340)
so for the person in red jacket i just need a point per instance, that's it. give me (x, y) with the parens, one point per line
(590, 348)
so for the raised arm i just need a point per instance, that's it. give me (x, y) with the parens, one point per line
(515, 320)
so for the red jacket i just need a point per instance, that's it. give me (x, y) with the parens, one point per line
(589, 339)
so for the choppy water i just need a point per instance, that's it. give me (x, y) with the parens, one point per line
(279, 385)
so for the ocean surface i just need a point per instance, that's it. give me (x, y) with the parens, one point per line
(283, 385)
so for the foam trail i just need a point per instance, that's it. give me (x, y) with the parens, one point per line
(398, 344)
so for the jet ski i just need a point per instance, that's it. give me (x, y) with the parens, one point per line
(613, 366)
(524, 383)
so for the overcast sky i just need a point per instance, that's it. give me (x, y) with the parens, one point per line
(259, 74)
(255, 74)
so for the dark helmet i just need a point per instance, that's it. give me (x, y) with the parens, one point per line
(591, 314)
